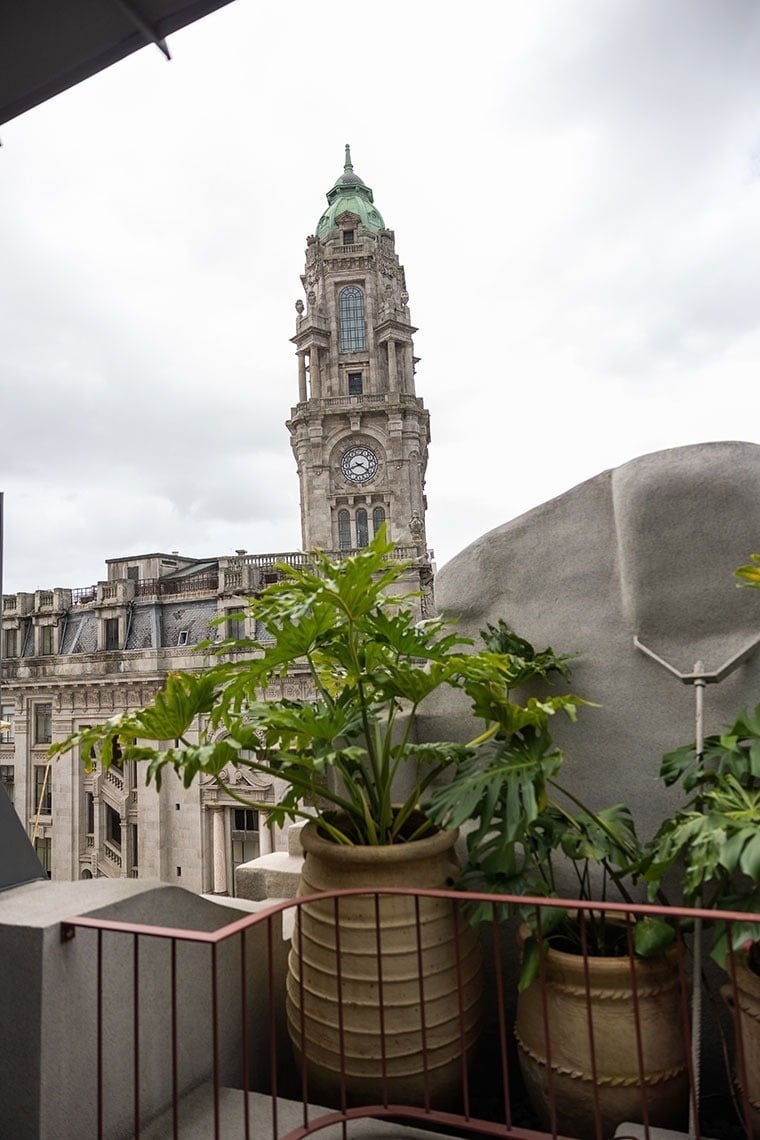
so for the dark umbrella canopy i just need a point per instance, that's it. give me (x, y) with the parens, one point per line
(47, 46)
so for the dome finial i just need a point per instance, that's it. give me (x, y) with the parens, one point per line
(347, 167)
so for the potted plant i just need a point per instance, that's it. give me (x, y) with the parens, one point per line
(535, 837)
(714, 839)
(342, 753)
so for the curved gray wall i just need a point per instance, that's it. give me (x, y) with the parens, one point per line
(648, 548)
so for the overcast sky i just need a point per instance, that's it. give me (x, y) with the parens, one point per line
(575, 191)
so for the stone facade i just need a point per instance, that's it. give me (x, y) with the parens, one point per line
(76, 657)
(359, 432)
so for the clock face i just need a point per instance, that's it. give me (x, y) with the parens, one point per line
(359, 464)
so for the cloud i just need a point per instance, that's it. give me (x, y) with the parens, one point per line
(574, 191)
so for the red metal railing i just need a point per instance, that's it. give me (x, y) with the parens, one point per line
(204, 1027)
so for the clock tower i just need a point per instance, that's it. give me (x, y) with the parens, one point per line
(359, 432)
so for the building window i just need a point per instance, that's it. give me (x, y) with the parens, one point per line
(348, 237)
(11, 643)
(42, 850)
(43, 724)
(362, 528)
(46, 640)
(182, 636)
(111, 633)
(113, 826)
(8, 715)
(6, 779)
(89, 813)
(245, 836)
(234, 623)
(344, 530)
(133, 573)
(354, 383)
(378, 518)
(43, 794)
(351, 312)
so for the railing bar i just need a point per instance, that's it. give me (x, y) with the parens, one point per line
(215, 1037)
(644, 1100)
(99, 1061)
(272, 1030)
(590, 1022)
(175, 1057)
(341, 1026)
(551, 1094)
(136, 1016)
(448, 1120)
(381, 1002)
(503, 1056)
(224, 932)
(302, 1021)
(741, 1057)
(686, 1017)
(460, 1009)
(423, 1012)
(245, 1028)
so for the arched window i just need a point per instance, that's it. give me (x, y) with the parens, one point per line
(351, 314)
(344, 530)
(378, 518)
(362, 528)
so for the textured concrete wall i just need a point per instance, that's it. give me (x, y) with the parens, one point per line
(648, 548)
(48, 1005)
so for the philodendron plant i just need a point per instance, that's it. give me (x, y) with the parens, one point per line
(715, 835)
(532, 831)
(368, 663)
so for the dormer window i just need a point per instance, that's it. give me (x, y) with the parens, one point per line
(348, 237)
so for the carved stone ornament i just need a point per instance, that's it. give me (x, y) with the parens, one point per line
(416, 525)
(299, 306)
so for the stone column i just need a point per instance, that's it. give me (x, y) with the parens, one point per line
(392, 372)
(301, 378)
(315, 373)
(265, 835)
(220, 851)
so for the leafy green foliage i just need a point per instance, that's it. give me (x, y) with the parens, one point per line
(715, 835)
(750, 575)
(367, 664)
(527, 824)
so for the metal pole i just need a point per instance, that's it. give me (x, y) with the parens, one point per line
(699, 678)
(696, 992)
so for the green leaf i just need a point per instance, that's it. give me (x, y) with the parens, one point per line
(652, 936)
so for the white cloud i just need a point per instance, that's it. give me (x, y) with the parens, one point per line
(574, 191)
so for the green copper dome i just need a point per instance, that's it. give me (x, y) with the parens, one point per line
(349, 193)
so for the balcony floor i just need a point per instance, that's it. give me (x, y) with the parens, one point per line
(196, 1118)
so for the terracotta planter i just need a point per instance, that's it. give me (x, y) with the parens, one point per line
(374, 982)
(747, 1022)
(621, 1084)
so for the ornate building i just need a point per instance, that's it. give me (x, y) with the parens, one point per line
(75, 657)
(359, 432)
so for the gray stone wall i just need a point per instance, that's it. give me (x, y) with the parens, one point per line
(646, 550)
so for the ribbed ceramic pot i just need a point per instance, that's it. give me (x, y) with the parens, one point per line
(621, 1082)
(747, 1023)
(376, 1002)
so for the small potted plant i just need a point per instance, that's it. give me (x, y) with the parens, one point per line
(535, 837)
(342, 752)
(714, 839)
